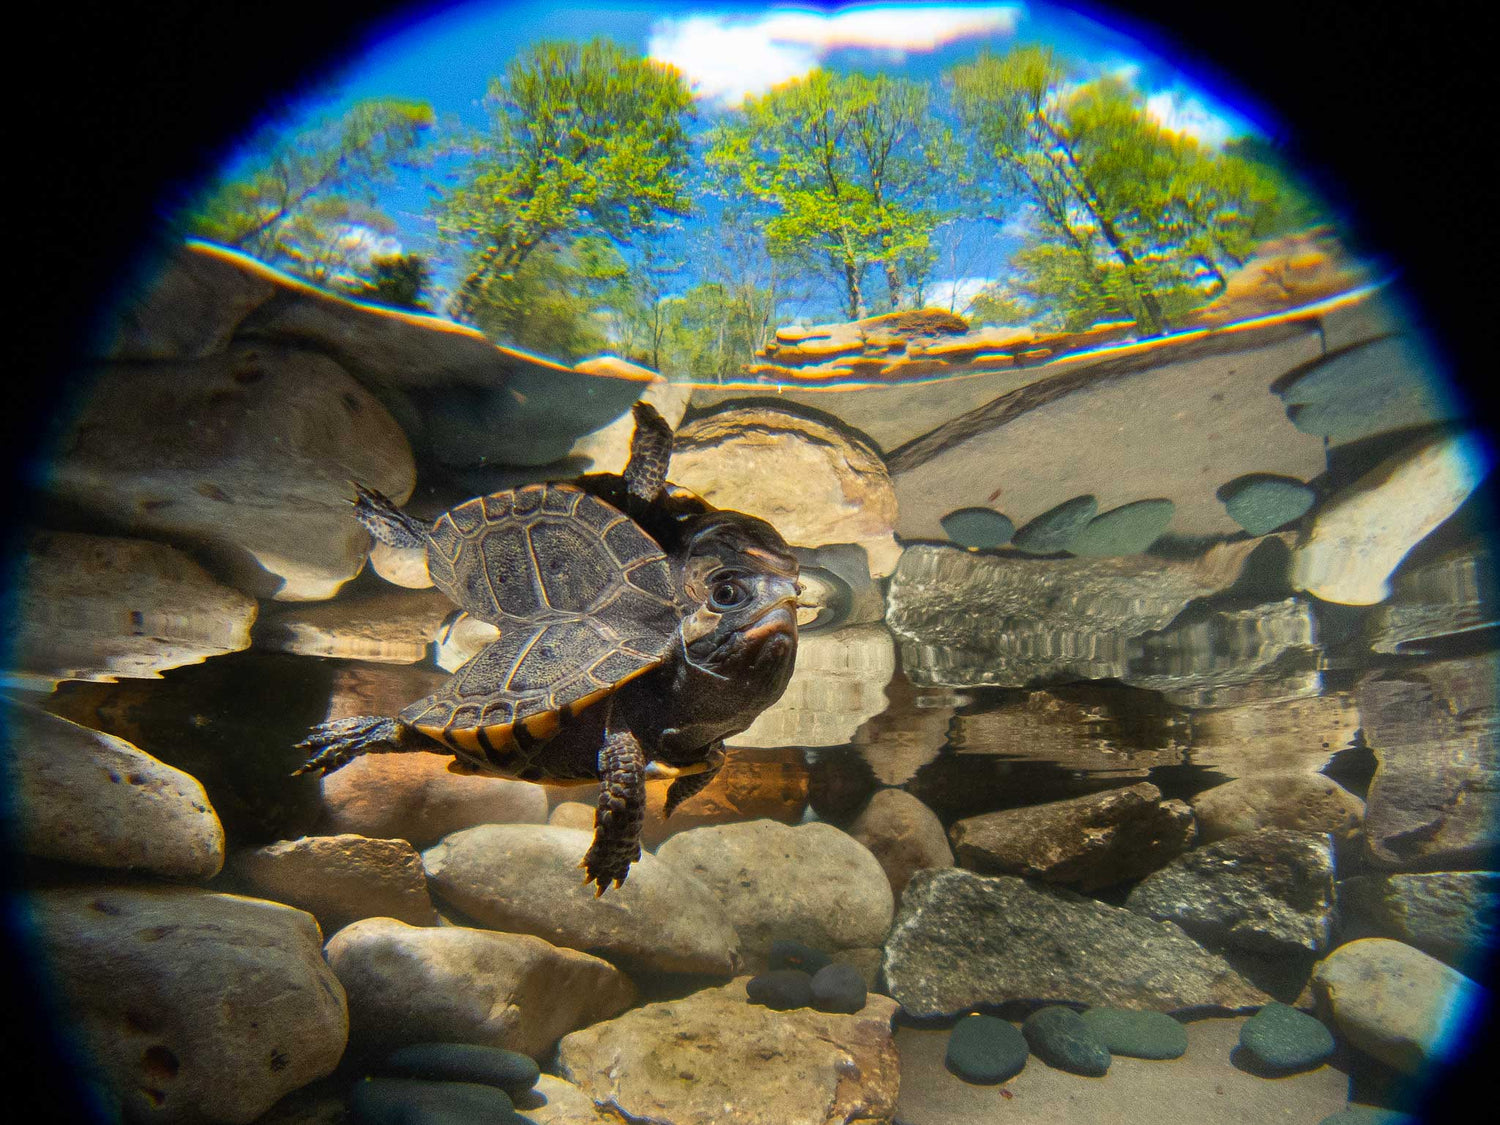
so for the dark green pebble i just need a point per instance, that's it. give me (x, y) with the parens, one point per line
(1285, 1039)
(788, 954)
(1260, 503)
(511, 1071)
(412, 1101)
(986, 1049)
(1126, 530)
(1368, 1115)
(1140, 1035)
(1055, 529)
(980, 528)
(781, 989)
(838, 988)
(1059, 1037)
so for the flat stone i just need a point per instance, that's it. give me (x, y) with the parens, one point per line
(1396, 1003)
(1359, 537)
(838, 988)
(1126, 530)
(81, 796)
(1297, 802)
(1137, 1034)
(95, 607)
(1451, 915)
(903, 834)
(454, 984)
(1263, 502)
(339, 879)
(962, 940)
(390, 626)
(979, 528)
(1056, 529)
(556, 1101)
(986, 1049)
(524, 879)
(194, 1006)
(1266, 892)
(511, 1071)
(1283, 1039)
(1093, 841)
(812, 883)
(714, 1057)
(1059, 1037)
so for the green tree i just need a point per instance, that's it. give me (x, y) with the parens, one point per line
(848, 166)
(304, 201)
(397, 280)
(584, 138)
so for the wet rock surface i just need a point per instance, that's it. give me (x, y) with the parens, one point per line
(903, 834)
(1451, 915)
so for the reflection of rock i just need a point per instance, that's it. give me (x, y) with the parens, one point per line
(1441, 597)
(838, 683)
(837, 579)
(754, 784)
(1283, 273)
(962, 940)
(812, 482)
(251, 470)
(967, 619)
(979, 528)
(1451, 915)
(1230, 656)
(96, 608)
(1126, 530)
(194, 1006)
(1055, 529)
(1289, 735)
(388, 626)
(909, 733)
(715, 1057)
(1361, 534)
(460, 638)
(1094, 841)
(1435, 799)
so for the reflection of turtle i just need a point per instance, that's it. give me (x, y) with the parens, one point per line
(616, 662)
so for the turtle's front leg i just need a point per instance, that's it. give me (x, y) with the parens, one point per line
(688, 784)
(622, 808)
(338, 742)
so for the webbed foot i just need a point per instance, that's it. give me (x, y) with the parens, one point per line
(339, 742)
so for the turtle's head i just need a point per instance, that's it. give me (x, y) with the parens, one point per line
(741, 576)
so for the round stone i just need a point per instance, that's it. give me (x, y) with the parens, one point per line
(511, 1071)
(1059, 1037)
(980, 528)
(838, 988)
(1262, 502)
(1126, 530)
(781, 989)
(986, 1049)
(411, 1101)
(1141, 1035)
(1055, 529)
(1285, 1039)
(788, 954)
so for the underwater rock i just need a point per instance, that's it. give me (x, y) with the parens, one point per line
(839, 987)
(1298, 802)
(1442, 597)
(1055, 529)
(1275, 737)
(1225, 657)
(253, 473)
(714, 1057)
(409, 1101)
(781, 989)
(1266, 892)
(1167, 420)
(754, 784)
(460, 638)
(965, 619)
(1137, 1034)
(1059, 1037)
(510, 1071)
(1093, 841)
(1371, 388)
(986, 1049)
(1361, 534)
(524, 879)
(607, 450)
(556, 1101)
(1284, 1039)
(962, 940)
(423, 984)
(1451, 915)
(84, 797)
(979, 528)
(903, 834)
(1126, 530)
(1434, 802)
(813, 483)
(339, 879)
(573, 814)
(1262, 502)
(838, 683)
(812, 883)
(1396, 1003)
(92, 607)
(388, 627)
(194, 1006)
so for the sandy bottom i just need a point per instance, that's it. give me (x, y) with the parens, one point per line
(1203, 1087)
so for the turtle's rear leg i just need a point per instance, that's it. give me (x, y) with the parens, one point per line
(688, 784)
(622, 808)
(338, 742)
(379, 516)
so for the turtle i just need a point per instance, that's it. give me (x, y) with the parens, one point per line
(639, 627)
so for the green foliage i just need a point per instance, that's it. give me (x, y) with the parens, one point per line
(304, 201)
(584, 138)
(845, 166)
(398, 280)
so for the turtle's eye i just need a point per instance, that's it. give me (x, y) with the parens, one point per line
(726, 593)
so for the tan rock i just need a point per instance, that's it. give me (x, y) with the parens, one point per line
(572, 814)
(903, 834)
(93, 607)
(90, 798)
(813, 483)
(1301, 802)
(409, 984)
(838, 683)
(339, 879)
(400, 566)
(754, 784)
(716, 1057)
(390, 627)
(524, 879)
(195, 1006)
(253, 471)
(556, 1101)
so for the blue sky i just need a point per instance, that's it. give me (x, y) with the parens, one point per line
(446, 55)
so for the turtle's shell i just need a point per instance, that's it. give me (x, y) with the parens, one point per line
(584, 602)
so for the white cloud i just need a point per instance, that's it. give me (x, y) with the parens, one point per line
(955, 293)
(725, 57)
(1183, 113)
